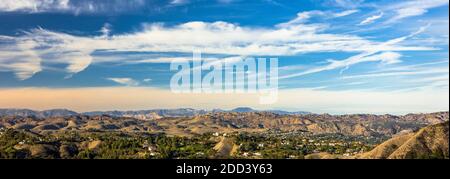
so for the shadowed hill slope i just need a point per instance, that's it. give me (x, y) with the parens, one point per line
(429, 142)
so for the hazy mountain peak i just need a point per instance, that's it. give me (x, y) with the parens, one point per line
(243, 109)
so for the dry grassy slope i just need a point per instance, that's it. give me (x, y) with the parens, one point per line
(323, 155)
(429, 142)
(226, 122)
(40, 150)
(225, 148)
(385, 149)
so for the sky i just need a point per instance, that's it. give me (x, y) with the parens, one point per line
(335, 56)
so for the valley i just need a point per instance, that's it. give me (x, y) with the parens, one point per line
(249, 134)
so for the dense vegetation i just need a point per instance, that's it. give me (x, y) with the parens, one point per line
(73, 145)
(298, 145)
(116, 145)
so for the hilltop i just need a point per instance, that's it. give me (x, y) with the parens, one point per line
(37, 114)
(429, 142)
(254, 135)
(187, 122)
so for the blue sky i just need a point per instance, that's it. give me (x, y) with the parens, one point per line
(378, 49)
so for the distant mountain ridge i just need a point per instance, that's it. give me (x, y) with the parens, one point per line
(139, 114)
(279, 112)
(217, 121)
(38, 114)
(182, 112)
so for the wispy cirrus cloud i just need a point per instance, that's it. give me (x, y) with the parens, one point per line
(312, 42)
(381, 52)
(391, 11)
(413, 8)
(75, 6)
(371, 19)
(179, 2)
(125, 81)
(401, 73)
(346, 13)
(425, 75)
(302, 17)
(386, 57)
(19, 57)
(213, 38)
(296, 36)
(34, 6)
(345, 3)
(305, 16)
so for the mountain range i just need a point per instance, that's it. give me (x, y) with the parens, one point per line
(140, 114)
(37, 114)
(422, 135)
(186, 122)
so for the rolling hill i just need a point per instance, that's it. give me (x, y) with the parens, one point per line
(429, 142)
(350, 125)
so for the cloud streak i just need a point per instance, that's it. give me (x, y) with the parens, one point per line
(19, 57)
(386, 56)
(371, 19)
(34, 6)
(346, 13)
(403, 73)
(286, 39)
(75, 6)
(125, 81)
(413, 8)
(305, 16)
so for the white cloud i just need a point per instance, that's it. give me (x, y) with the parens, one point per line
(106, 30)
(158, 60)
(422, 76)
(413, 67)
(305, 16)
(179, 2)
(72, 6)
(224, 38)
(401, 73)
(346, 13)
(33, 5)
(371, 19)
(23, 69)
(78, 62)
(368, 55)
(19, 57)
(413, 8)
(348, 3)
(62, 48)
(125, 81)
(386, 57)
(301, 18)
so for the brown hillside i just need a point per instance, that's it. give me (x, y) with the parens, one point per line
(429, 142)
